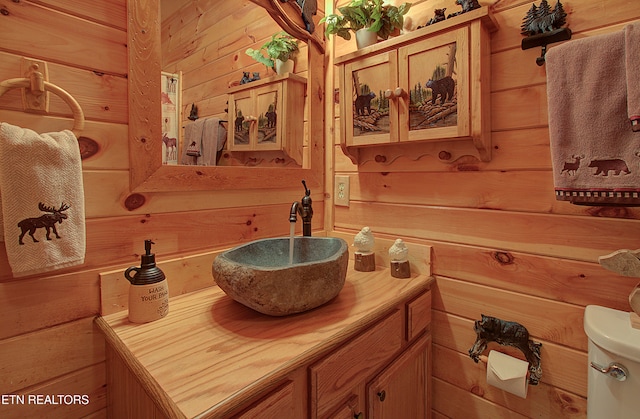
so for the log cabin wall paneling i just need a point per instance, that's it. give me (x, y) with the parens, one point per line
(48, 344)
(502, 245)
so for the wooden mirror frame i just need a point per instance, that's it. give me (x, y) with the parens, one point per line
(146, 171)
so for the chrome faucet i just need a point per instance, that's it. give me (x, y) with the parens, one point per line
(304, 209)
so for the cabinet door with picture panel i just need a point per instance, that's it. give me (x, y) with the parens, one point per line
(369, 116)
(434, 76)
(268, 102)
(241, 106)
(256, 124)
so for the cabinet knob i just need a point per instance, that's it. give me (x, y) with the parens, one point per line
(358, 416)
(444, 155)
(394, 94)
(382, 395)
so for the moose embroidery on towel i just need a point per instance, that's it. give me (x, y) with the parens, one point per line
(47, 221)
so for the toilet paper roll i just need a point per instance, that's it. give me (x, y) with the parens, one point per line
(508, 373)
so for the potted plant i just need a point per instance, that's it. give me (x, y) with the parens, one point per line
(280, 51)
(362, 16)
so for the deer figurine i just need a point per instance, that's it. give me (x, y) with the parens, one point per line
(47, 221)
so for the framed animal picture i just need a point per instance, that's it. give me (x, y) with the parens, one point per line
(170, 98)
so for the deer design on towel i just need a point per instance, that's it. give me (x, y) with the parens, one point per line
(47, 221)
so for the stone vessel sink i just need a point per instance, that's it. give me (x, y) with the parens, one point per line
(258, 274)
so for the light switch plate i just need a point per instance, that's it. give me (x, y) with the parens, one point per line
(341, 196)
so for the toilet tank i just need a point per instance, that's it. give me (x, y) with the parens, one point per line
(612, 340)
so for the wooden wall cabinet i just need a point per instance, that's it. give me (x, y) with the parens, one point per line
(268, 115)
(428, 86)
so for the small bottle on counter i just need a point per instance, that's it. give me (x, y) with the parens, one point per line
(149, 290)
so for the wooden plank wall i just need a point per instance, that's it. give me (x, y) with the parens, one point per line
(48, 344)
(206, 41)
(503, 246)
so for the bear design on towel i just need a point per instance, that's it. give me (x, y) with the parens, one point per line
(602, 166)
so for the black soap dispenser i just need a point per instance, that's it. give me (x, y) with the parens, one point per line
(149, 290)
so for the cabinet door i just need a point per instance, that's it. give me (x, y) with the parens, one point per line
(369, 116)
(268, 106)
(402, 389)
(241, 106)
(434, 74)
(333, 378)
(256, 125)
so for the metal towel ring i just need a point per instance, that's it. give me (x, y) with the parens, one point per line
(78, 114)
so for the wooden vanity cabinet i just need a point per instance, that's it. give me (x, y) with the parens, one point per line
(379, 368)
(385, 371)
(334, 378)
(268, 115)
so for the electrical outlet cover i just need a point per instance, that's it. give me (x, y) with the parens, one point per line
(341, 193)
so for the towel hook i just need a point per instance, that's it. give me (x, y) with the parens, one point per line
(27, 83)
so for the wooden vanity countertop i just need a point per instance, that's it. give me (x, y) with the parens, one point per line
(210, 354)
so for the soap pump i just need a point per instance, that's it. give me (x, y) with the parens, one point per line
(149, 290)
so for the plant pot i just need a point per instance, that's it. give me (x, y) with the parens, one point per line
(283, 67)
(364, 38)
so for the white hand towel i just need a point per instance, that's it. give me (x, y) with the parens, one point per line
(42, 200)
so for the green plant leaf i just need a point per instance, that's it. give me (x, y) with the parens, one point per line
(282, 46)
(358, 14)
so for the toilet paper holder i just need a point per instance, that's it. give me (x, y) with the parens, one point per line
(492, 329)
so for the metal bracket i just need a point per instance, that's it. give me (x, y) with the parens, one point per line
(544, 39)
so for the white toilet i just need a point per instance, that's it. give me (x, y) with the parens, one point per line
(614, 364)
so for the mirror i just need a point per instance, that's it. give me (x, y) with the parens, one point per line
(148, 174)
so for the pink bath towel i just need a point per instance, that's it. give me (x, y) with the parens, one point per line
(595, 154)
